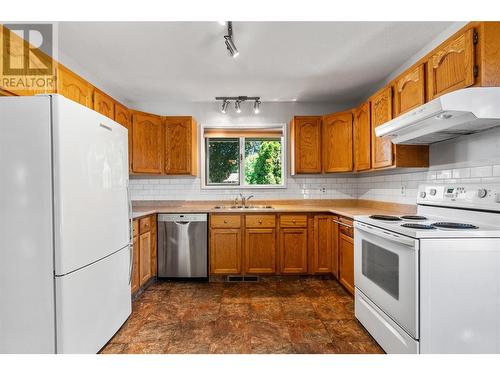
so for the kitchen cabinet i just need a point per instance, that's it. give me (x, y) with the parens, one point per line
(104, 104)
(337, 142)
(451, 66)
(346, 255)
(225, 251)
(147, 143)
(260, 250)
(305, 136)
(154, 246)
(322, 251)
(74, 87)
(293, 244)
(381, 112)
(135, 279)
(362, 137)
(124, 118)
(335, 246)
(409, 90)
(144, 258)
(181, 157)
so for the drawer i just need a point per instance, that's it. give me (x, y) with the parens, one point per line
(145, 224)
(135, 227)
(260, 221)
(346, 229)
(225, 221)
(293, 221)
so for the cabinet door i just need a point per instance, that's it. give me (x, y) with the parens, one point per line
(335, 247)
(144, 257)
(451, 66)
(293, 250)
(225, 251)
(337, 142)
(135, 267)
(180, 145)
(147, 144)
(154, 244)
(74, 87)
(306, 144)
(260, 250)
(104, 104)
(322, 258)
(362, 138)
(346, 264)
(381, 112)
(409, 90)
(124, 118)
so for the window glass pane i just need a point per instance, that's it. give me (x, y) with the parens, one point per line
(263, 161)
(223, 161)
(381, 266)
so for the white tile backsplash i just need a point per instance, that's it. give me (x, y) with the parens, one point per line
(392, 186)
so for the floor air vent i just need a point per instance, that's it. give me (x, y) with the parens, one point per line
(242, 278)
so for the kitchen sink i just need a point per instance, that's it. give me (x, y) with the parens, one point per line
(264, 207)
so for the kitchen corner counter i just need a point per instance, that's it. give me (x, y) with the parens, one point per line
(343, 207)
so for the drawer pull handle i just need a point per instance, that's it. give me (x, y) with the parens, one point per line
(293, 221)
(260, 221)
(225, 221)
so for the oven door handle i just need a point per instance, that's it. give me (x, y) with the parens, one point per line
(385, 234)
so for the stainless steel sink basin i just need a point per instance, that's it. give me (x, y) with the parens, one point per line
(264, 207)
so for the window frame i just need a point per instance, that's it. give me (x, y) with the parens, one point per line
(242, 184)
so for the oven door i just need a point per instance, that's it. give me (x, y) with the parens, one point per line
(386, 270)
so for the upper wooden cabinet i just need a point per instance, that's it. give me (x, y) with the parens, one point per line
(74, 87)
(124, 118)
(337, 142)
(381, 112)
(409, 90)
(147, 143)
(104, 104)
(362, 138)
(451, 66)
(306, 144)
(181, 145)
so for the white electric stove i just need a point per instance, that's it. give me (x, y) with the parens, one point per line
(430, 282)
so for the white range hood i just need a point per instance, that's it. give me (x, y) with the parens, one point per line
(460, 112)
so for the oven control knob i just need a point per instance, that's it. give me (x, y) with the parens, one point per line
(422, 194)
(481, 193)
(432, 192)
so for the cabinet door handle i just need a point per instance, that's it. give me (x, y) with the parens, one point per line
(341, 223)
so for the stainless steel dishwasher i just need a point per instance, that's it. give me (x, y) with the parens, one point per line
(182, 245)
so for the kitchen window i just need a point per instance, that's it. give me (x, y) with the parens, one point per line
(244, 157)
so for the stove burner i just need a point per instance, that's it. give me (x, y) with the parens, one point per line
(385, 217)
(417, 226)
(448, 225)
(413, 217)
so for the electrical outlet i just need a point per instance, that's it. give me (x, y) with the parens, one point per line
(322, 190)
(403, 191)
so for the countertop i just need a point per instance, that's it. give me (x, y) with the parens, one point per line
(343, 207)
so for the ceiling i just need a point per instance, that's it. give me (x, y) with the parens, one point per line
(279, 61)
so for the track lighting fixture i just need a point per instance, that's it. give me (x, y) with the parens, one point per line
(237, 106)
(225, 103)
(237, 102)
(231, 47)
(256, 106)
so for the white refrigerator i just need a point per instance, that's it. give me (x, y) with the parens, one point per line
(65, 254)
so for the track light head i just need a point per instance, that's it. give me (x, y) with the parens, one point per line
(225, 103)
(256, 106)
(237, 106)
(231, 47)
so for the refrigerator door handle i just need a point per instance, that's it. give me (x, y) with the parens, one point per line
(131, 234)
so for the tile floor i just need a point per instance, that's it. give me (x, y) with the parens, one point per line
(299, 315)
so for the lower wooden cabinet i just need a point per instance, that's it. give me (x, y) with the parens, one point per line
(260, 250)
(335, 247)
(346, 262)
(225, 251)
(135, 266)
(293, 250)
(323, 241)
(144, 261)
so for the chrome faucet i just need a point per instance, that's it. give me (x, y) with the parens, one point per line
(244, 200)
